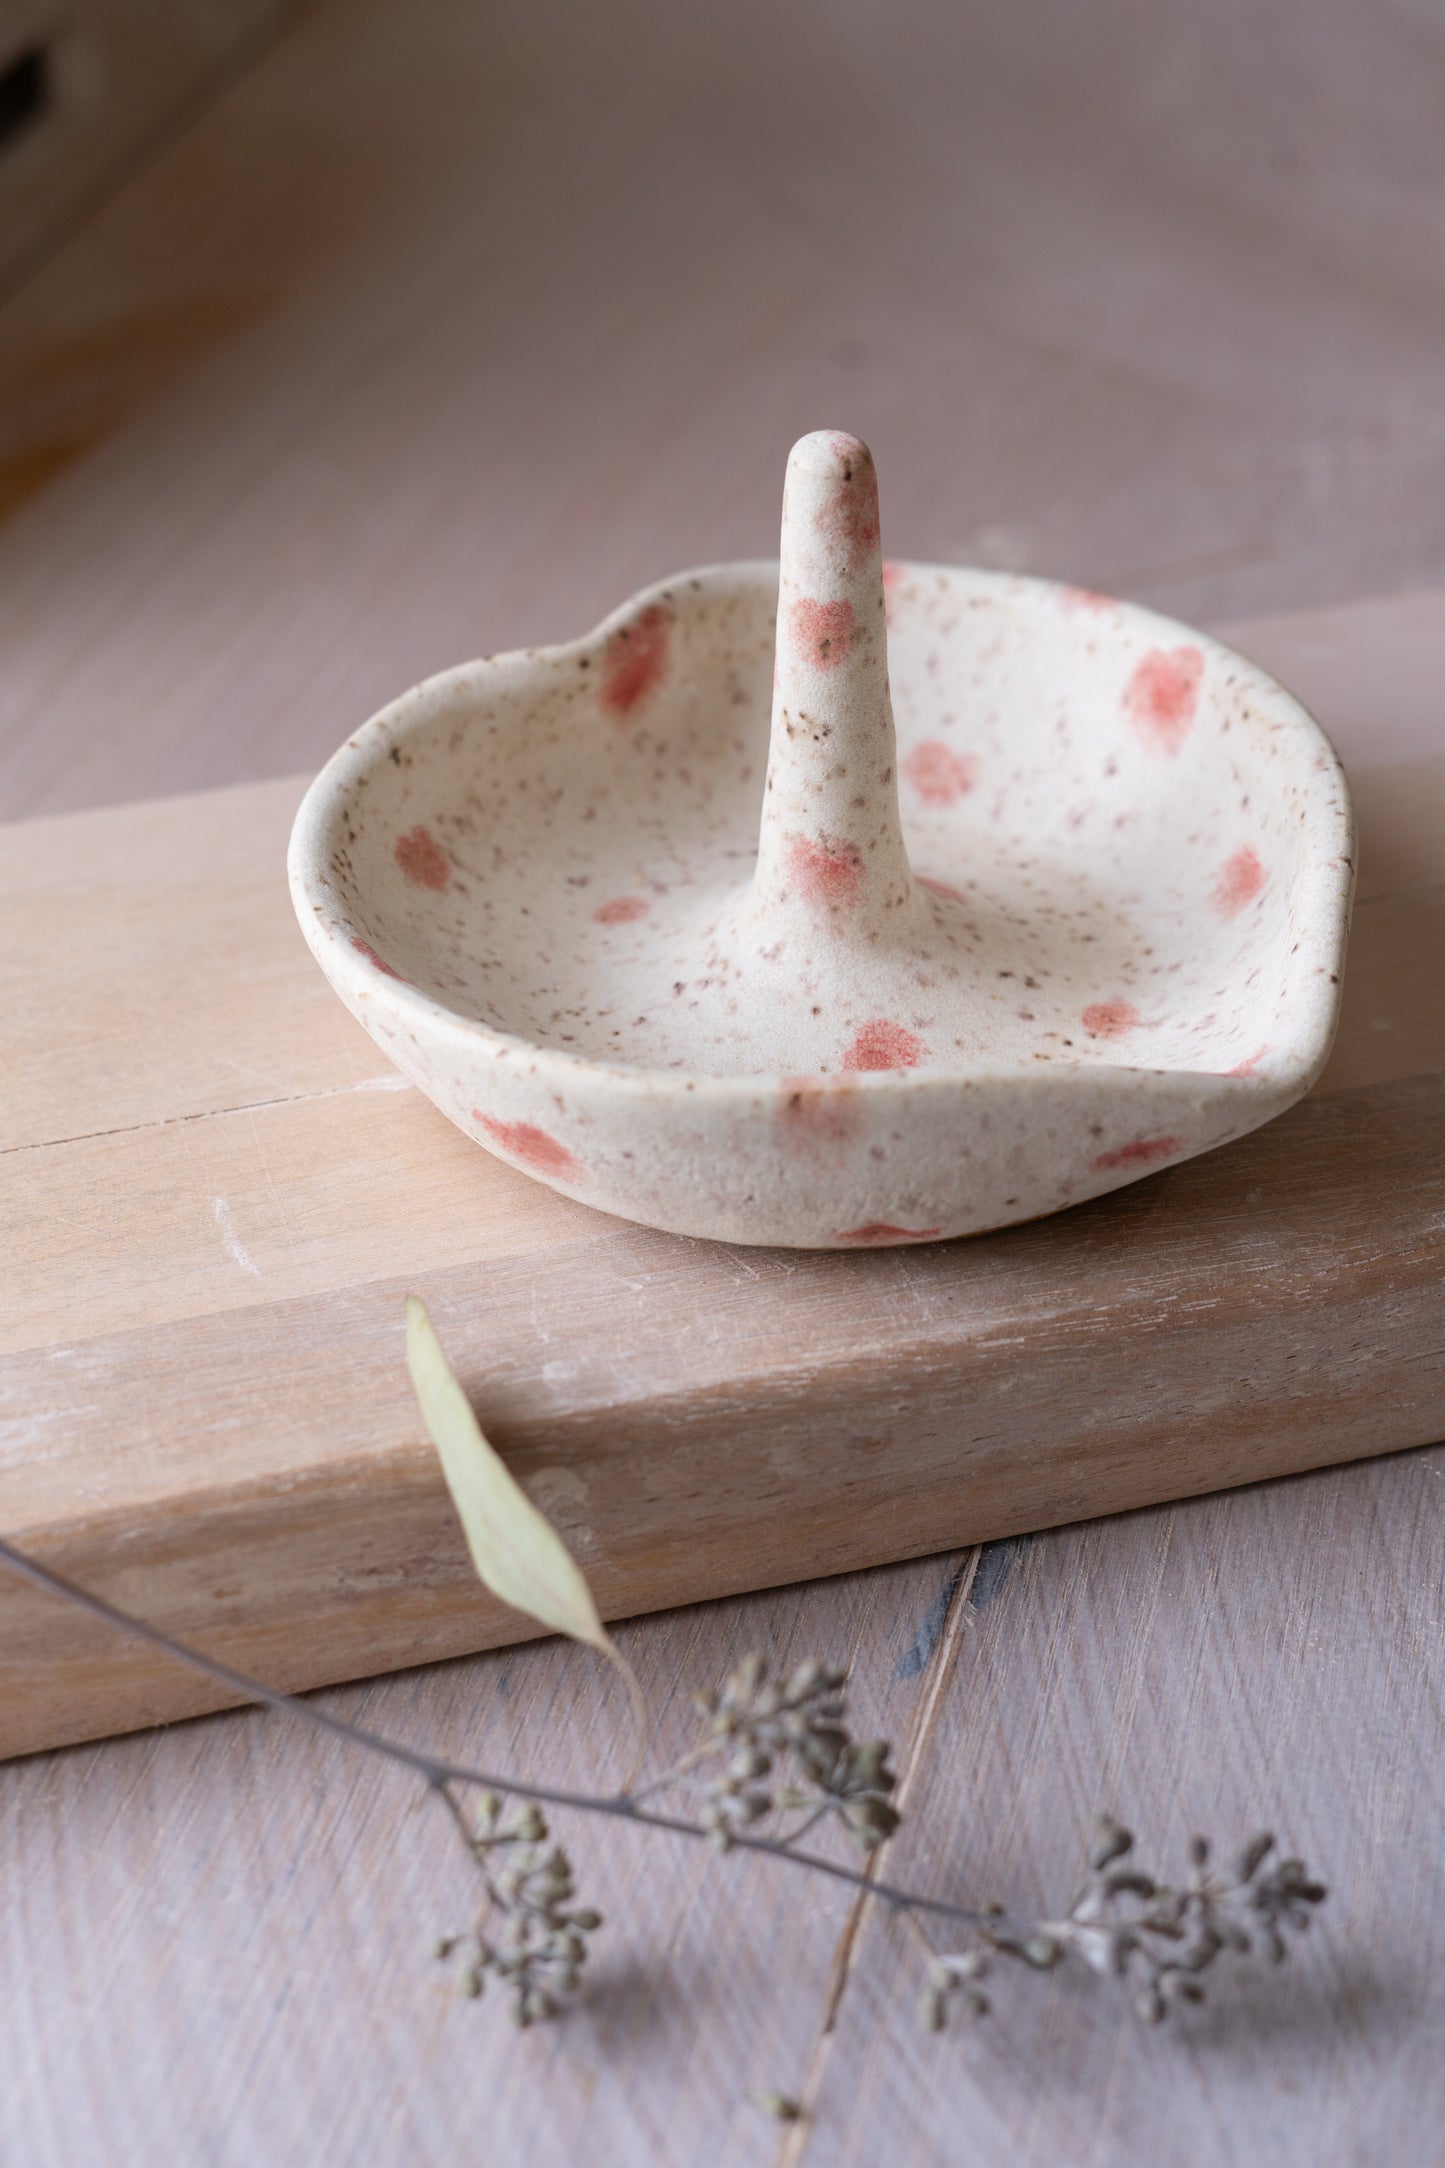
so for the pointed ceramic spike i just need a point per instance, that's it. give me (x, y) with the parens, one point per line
(831, 844)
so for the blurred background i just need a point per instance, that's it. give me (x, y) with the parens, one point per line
(339, 342)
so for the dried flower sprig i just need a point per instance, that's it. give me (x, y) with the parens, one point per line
(776, 1761)
(530, 1935)
(792, 1731)
(1127, 1926)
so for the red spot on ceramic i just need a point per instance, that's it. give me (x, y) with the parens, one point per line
(827, 874)
(939, 774)
(941, 888)
(538, 1152)
(422, 859)
(1162, 696)
(848, 517)
(1085, 598)
(878, 1234)
(1143, 1152)
(636, 661)
(379, 962)
(823, 632)
(621, 911)
(893, 578)
(1240, 882)
(883, 1045)
(1249, 1064)
(817, 1112)
(1109, 1019)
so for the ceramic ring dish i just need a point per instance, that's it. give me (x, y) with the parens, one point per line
(696, 921)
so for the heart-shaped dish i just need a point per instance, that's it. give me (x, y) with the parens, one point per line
(677, 919)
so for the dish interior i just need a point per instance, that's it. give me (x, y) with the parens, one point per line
(1108, 816)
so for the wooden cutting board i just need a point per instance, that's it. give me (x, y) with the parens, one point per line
(214, 1194)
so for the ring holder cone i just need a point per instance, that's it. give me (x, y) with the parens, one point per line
(836, 904)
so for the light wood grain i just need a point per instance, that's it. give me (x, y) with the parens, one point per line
(1268, 1657)
(202, 1303)
(447, 327)
(247, 1980)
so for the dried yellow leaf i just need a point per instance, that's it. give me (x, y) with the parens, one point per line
(517, 1552)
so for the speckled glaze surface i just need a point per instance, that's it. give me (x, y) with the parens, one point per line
(696, 920)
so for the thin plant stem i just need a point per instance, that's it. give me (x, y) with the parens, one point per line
(796, 1836)
(440, 1774)
(707, 1751)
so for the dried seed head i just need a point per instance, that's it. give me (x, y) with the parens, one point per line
(748, 1677)
(1041, 1951)
(1253, 1856)
(870, 1820)
(1110, 1842)
(749, 1762)
(780, 2106)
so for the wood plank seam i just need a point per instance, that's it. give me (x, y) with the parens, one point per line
(389, 1082)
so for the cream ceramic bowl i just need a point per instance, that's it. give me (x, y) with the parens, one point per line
(678, 919)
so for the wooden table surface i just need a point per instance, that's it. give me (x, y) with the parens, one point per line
(438, 330)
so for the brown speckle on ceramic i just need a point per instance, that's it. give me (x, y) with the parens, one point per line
(841, 907)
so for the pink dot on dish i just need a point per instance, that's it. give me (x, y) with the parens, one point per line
(1239, 883)
(879, 1234)
(422, 859)
(825, 872)
(1141, 1152)
(378, 963)
(1109, 1019)
(883, 1045)
(1162, 696)
(939, 774)
(823, 632)
(636, 662)
(537, 1151)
